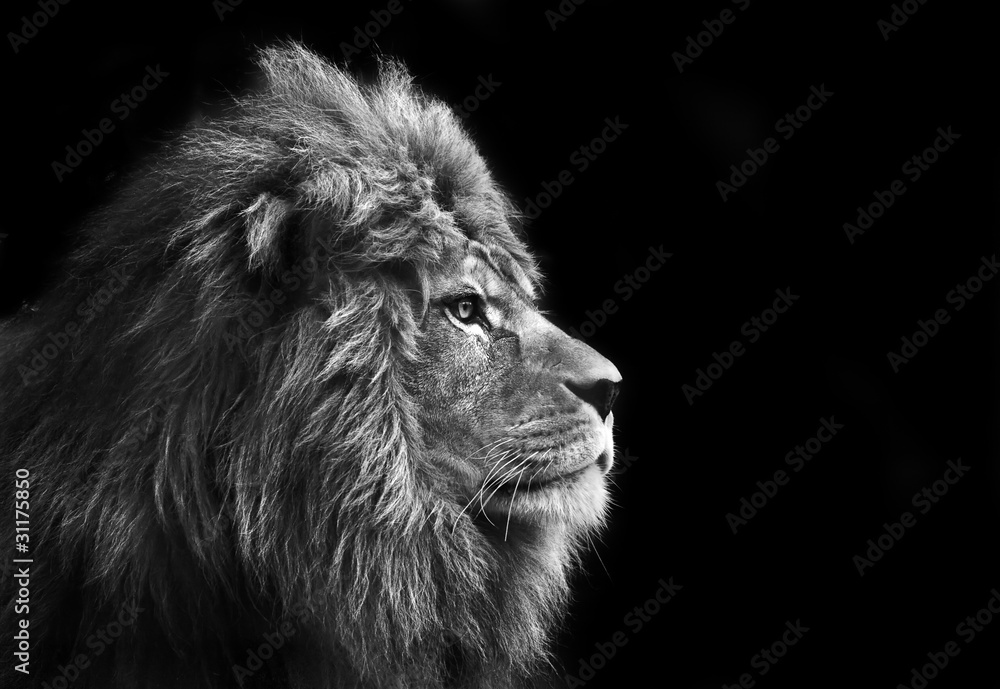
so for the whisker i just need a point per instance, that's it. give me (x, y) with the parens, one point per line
(493, 446)
(506, 464)
(502, 461)
(510, 474)
(511, 506)
(499, 474)
(594, 548)
(467, 505)
(543, 468)
(505, 458)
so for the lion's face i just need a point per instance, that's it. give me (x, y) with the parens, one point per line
(516, 412)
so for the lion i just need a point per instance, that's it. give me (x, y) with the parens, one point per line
(294, 418)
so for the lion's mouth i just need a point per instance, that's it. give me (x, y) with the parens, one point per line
(541, 483)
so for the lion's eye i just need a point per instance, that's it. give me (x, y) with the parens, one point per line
(467, 310)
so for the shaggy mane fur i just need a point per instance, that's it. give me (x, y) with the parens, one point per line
(224, 456)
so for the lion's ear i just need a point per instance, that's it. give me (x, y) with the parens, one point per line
(266, 222)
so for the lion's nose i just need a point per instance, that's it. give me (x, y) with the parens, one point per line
(597, 383)
(601, 394)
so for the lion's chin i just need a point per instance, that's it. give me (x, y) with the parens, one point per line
(576, 501)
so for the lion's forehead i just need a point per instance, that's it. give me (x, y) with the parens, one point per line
(496, 271)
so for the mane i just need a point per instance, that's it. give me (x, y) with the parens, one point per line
(225, 441)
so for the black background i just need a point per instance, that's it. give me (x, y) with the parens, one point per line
(656, 185)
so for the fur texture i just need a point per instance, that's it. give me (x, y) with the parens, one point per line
(226, 460)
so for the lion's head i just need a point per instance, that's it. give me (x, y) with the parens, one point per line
(296, 409)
